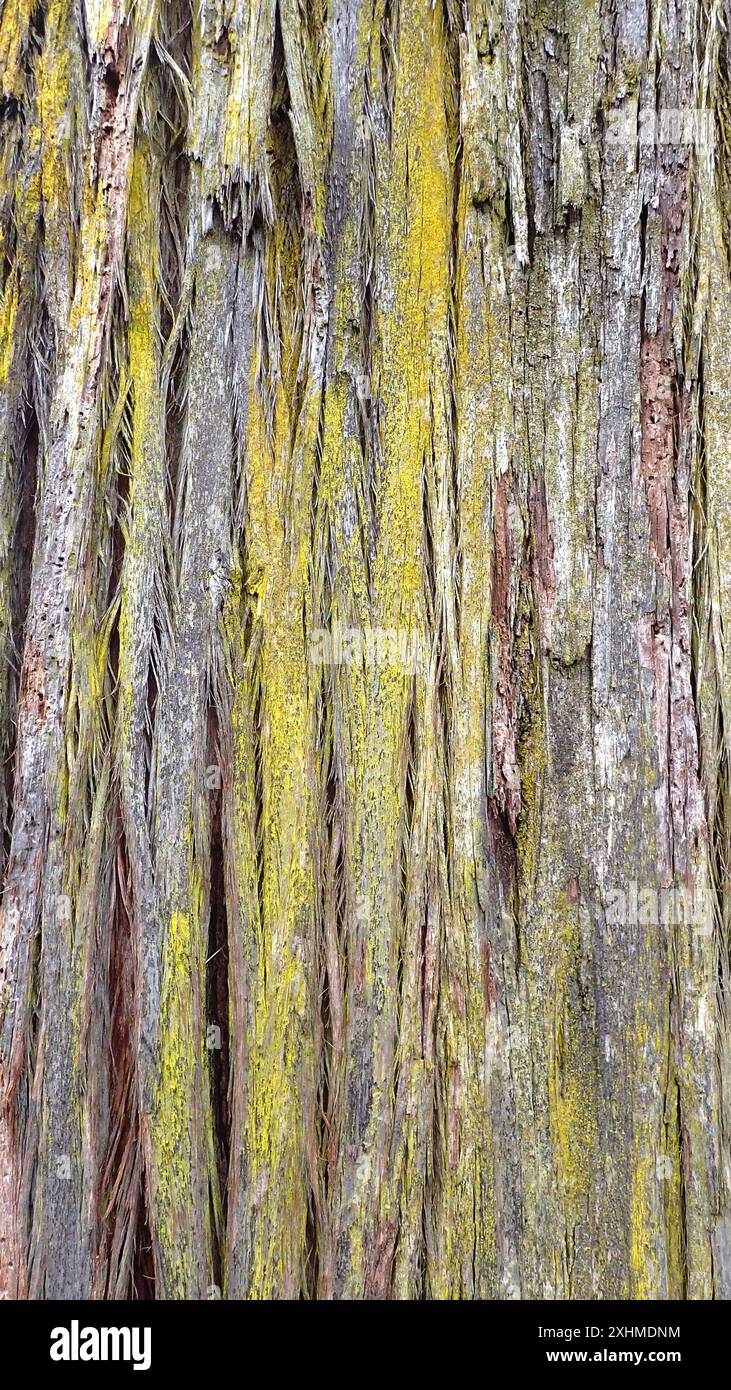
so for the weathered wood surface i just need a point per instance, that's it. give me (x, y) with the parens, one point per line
(365, 603)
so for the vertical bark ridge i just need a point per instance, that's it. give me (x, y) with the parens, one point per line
(38, 910)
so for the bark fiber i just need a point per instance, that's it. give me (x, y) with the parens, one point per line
(365, 613)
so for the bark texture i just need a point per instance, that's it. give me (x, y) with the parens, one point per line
(365, 606)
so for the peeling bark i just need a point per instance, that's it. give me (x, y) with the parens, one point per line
(365, 591)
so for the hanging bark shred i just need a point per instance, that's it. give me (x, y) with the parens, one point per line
(365, 599)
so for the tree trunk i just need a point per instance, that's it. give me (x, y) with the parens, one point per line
(365, 595)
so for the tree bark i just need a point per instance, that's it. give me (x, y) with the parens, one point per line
(365, 600)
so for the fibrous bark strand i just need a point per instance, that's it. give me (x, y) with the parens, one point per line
(365, 591)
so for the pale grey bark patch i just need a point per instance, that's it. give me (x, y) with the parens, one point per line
(370, 313)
